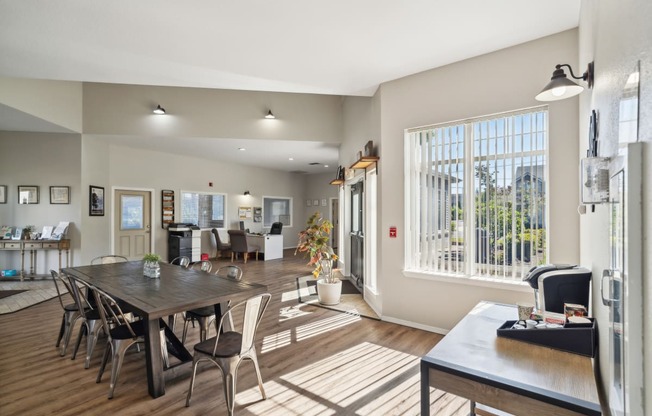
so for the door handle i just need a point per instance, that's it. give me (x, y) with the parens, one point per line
(606, 273)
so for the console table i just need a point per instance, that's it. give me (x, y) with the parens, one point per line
(33, 246)
(471, 361)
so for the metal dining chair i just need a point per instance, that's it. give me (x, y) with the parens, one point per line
(111, 258)
(121, 334)
(182, 261)
(229, 348)
(91, 320)
(203, 265)
(70, 313)
(205, 316)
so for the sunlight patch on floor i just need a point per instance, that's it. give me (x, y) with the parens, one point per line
(278, 340)
(367, 379)
(324, 325)
(291, 312)
(303, 292)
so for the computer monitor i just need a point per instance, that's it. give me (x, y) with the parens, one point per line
(242, 227)
(276, 228)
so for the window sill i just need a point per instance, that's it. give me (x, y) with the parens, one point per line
(516, 286)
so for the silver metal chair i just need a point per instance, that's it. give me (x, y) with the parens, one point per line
(203, 265)
(227, 350)
(121, 334)
(182, 261)
(112, 258)
(70, 313)
(91, 320)
(205, 316)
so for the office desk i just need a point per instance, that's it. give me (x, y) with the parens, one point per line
(271, 245)
(33, 246)
(177, 290)
(471, 361)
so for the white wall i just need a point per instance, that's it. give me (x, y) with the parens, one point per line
(615, 35)
(501, 81)
(43, 160)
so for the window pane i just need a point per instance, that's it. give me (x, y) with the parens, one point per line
(277, 209)
(506, 196)
(131, 208)
(205, 210)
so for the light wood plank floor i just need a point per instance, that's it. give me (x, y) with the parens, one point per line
(314, 361)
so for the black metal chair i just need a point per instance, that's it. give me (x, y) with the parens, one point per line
(229, 348)
(91, 320)
(70, 313)
(121, 334)
(205, 316)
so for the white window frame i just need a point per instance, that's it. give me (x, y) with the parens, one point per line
(224, 195)
(467, 275)
(291, 209)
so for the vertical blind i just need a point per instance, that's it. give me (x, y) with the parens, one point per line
(476, 195)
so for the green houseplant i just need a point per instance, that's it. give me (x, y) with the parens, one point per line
(28, 230)
(313, 241)
(151, 268)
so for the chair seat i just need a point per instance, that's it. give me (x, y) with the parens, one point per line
(228, 345)
(204, 312)
(71, 307)
(122, 331)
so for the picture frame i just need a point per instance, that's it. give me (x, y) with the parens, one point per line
(59, 195)
(95, 201)
(28, 194)
(3, 194)
(315, 202)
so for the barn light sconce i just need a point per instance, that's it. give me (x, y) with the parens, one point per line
(560, 87)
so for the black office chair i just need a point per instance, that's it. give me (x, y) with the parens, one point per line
(277, 227)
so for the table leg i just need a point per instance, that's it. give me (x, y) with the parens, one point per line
(32, 262)
(22, 263)
(425, 390)
(154, 361)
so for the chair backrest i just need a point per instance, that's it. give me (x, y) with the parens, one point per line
(112, 258)
(230, 272)
(83, 305)
(57, 279)
(218, 242)
(182, 261)
(238, 241)
(247, 324)
(203, 265)
(277, 227)
(110, 312)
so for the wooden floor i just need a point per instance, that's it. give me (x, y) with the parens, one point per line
(314, 361)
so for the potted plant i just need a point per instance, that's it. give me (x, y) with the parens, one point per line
(27, 231)
(313, 241)
(151, 267)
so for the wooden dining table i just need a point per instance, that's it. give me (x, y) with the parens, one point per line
(177, 290)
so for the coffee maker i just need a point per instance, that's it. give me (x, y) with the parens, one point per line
(556, 284)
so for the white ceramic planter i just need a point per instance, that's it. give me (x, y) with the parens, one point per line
(329, 293)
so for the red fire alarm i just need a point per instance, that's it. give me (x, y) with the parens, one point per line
(210, 184)
(392, 232)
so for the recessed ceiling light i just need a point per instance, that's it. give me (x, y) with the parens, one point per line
(291, 158)
(242, 149)
(325, 166)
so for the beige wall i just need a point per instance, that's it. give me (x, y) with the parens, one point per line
(501, 81)
(59, 103)
(615, 36)
(43, 160)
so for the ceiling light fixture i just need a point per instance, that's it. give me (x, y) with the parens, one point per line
(247, 193)
(270, 115)
(159, 110)
(242, 149)
(560, 87)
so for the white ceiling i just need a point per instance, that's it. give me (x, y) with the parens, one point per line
(339, 47)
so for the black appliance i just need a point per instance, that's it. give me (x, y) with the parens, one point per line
(180, 240)
(556, 284)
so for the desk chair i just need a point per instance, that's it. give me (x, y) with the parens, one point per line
(229, 348)
(239, 245)
(221, 247)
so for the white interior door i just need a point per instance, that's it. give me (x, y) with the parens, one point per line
(132, 223)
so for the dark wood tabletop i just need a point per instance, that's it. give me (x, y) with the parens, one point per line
(177, 290)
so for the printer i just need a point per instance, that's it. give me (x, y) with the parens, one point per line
(184, 240)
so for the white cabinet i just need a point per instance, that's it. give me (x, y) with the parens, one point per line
(271, 245)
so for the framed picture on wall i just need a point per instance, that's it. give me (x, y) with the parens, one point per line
(59, 195)
(27, 194)
(96, 201)
(3, 194)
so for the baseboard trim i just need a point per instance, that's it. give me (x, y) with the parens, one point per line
(416, 325)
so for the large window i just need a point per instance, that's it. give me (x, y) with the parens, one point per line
(277, 209)
(207, 210)
(476, 200)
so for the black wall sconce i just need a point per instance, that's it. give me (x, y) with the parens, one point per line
(247, 193)
(159, 110)
(560, 87)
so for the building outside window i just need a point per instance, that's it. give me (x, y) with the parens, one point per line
(207, 210)
(476, 199)
(277, 209)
